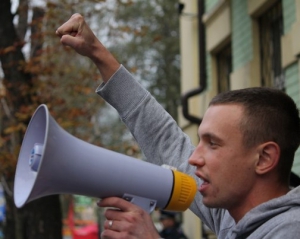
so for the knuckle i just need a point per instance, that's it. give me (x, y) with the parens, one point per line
(78, 17)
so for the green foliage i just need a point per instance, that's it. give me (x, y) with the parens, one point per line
(78, 109)
(64, 81)
(145, 38)
(39, 70)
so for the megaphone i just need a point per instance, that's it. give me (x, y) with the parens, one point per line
(52, 161)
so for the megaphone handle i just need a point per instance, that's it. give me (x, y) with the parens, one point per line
(146, 203)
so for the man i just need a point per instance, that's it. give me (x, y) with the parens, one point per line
(248, 139)
(171, 226)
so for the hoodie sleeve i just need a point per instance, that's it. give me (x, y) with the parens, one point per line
(157, 134)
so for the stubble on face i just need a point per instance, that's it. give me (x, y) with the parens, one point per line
(227, 171)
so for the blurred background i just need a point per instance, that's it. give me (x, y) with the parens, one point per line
(184, 52)
(36, 69)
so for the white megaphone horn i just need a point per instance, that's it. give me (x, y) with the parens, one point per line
(52, 161)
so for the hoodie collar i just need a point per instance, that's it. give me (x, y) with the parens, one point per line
(264, 212)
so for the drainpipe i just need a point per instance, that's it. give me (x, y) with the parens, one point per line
(202, 69)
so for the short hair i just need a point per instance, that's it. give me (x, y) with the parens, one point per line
(269, 115)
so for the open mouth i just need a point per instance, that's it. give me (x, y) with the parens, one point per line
(205, 183)
(203, 178)
(203, 186)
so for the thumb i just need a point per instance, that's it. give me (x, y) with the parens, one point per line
(68, 40)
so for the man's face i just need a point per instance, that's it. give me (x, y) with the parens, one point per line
(167, 222)
(226, 167)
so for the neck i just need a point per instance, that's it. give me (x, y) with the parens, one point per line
(257, 197)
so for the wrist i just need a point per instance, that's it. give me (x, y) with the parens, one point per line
(105, 62)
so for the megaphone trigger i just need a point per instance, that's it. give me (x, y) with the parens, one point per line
(145, 203)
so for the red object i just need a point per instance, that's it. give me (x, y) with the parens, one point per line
(86, 232)
(90, 231)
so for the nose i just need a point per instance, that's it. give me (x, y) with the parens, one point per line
(197, 159)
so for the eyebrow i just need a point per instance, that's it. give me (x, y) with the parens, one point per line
(211, 136)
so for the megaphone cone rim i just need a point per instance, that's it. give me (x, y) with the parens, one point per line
(21, 201)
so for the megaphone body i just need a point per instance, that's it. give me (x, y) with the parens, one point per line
(52, 161)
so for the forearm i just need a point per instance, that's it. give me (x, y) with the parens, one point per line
(158, 135)
(105, 61)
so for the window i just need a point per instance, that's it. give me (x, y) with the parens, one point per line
(224, 64)
(271, 30)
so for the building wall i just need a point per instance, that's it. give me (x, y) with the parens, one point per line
(242, 49)
(291, 65)
(209, 4)
(190, 80)
(289, 14)
(236, 22)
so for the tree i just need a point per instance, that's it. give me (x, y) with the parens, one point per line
(38, 69)
(44, 73)
(145, 38)
(17, 103)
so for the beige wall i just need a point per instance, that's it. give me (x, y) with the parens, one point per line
(290, 44)
(190, 80)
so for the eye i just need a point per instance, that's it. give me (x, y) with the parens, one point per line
(210, 141)
(212, 144)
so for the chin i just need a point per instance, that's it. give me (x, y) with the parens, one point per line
(211, 203)
(208, 203)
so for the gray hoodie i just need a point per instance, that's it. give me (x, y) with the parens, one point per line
(163, 142)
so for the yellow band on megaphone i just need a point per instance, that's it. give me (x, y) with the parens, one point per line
(184, 191)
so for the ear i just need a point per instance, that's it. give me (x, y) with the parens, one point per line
(269, 154)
